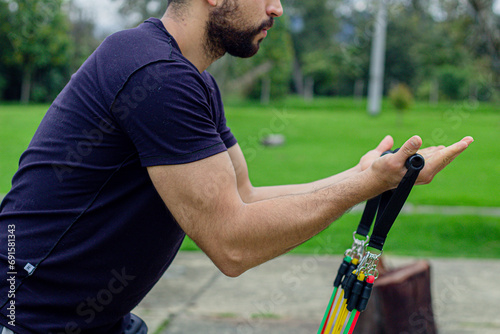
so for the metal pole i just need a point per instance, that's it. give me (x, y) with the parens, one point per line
(377, 60)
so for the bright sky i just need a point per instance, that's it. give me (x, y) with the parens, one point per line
(105, 13)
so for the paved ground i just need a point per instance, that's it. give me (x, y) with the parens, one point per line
(289, 295)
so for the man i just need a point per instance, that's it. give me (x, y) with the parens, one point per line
(134, 154)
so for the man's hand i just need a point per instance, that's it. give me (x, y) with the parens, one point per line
(367, 159)
(437, 158)
(390, 168)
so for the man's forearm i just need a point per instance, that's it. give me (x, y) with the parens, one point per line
(260, 231)
(268, 192)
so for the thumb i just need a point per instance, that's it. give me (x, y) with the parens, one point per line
(409, 148)
(385, 145)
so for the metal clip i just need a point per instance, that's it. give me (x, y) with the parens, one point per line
(368, 264)
(357, 249)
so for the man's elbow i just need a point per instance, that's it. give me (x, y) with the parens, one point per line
(231, 262)
(248, 194)
(232, 272)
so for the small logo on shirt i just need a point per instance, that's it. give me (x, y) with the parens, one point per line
(29, 268)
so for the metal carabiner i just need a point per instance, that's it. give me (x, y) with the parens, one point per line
(357, 249)
(368, 264)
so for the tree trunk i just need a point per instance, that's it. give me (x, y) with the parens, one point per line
(309, 89)
(265, 94)
(298, 78)
(486, 20)
(26, 86)
(434, 92)
(245, 81)
(359, 87)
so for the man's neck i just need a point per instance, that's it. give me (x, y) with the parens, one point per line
(188, 30)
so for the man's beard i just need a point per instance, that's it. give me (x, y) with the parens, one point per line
(223, 35)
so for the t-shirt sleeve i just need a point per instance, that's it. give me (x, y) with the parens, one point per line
(169, 114)
(224, 131)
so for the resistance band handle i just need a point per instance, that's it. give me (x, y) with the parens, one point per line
(392, 202)
(368, 215)
(365, 295)
(415, 162)
(343, 270)
(357, 289)
(370, 210)
(348, 283)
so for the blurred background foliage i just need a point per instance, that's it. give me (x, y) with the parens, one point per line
(440, 49)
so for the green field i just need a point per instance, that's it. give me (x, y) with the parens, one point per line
(17, 126)
(329, 135)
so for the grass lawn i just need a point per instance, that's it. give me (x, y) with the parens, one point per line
(17, 126)
(330, 135)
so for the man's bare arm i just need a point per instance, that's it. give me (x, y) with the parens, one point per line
(250, 194)
(204, 199)
(203, 196)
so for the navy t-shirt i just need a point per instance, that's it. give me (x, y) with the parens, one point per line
(92, 236)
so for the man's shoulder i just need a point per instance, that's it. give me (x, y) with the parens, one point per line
(142, 42)
(145, 49)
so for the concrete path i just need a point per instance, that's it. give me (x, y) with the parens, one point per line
(290, 293)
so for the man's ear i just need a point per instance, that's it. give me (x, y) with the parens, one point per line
(212, 3)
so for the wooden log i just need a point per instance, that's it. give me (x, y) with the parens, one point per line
(401, 303)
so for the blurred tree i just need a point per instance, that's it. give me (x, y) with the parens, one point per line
(331, 46)
(140, 10)
(488, 26)
(428, 42)
(323, 67)
(276, 49)
(472, 32)
(38, 34)
(489, 23)
(82, 34)
(5, 50)
(453, 82)
(401, 61)
(401, 98)
(354, 42)
(313, 24)
(313, 28)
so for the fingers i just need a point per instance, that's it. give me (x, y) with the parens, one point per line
(408, 149)
(429, 151)
(448, 154)
(452, 151)
(385, 145)
(468, 140)
(442, 158)
(391, 167)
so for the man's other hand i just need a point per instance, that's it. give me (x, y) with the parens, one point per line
(391, 168)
